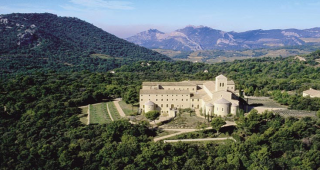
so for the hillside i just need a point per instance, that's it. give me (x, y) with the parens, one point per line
(193, 38)
(48, 41)
(40, 127)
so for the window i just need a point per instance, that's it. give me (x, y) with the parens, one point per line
(167, 105)
(192, 100)
(181, 99)
(143, 106)
(222, 109)
(167, 99)
(141, 99)
(186, 99)
(161, 99)
(141, 95)
(161, 105)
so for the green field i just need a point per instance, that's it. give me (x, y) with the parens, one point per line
(99, 114)
(127, 108)
(113, 111)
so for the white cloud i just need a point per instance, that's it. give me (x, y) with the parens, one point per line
(122, 5)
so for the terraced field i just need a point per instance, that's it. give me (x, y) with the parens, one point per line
(113, 111)
(99, 114)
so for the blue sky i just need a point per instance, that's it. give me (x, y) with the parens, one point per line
(128, 17)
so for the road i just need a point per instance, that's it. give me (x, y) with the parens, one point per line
(116, 103)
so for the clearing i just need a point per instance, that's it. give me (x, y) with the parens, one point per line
(128, 109)
(99, 113)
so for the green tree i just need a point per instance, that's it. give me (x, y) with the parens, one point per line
(217, 123)
(318, 114)
(153, 115)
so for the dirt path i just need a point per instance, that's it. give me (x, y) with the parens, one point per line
(195, 140)
(109, 112)
(116, 103)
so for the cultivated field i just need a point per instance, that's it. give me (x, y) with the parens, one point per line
(99, 114)
(113, 111)
(127, 108)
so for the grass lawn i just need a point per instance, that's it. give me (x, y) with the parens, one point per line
(99, 113)
(127, 108)
(113, 111)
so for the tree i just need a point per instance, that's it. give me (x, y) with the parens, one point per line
(217, 123)
(318, 114)
(153, 115)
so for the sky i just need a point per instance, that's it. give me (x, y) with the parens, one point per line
(128, 17)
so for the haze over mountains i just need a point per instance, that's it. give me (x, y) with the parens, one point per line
(192, 38)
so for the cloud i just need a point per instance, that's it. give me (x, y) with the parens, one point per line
(122, 5)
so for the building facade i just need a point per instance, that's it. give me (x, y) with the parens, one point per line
(211, 97)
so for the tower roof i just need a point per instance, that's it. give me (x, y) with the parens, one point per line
(209, 105)
(221, 76)
(222, 101)
(149, 103)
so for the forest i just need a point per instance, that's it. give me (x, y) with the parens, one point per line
(43, 42)
(40, 127)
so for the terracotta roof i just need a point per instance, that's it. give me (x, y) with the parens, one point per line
(211, 86)
(222, 101)
(197, 82)
(164, 91)
(221, 76)
(312, 92)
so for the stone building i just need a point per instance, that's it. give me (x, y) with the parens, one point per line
(311, 92)
(216, 97)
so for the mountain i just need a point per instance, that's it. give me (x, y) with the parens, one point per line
(193, 38)
(43, 40)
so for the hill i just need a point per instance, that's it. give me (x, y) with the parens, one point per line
(43, 40)
(193, 38)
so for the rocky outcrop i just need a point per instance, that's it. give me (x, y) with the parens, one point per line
(192, 38)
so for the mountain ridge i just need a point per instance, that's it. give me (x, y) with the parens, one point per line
(52, 40)
(194, 38)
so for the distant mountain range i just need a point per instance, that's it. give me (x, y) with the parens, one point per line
(193, 38)
(43, 40)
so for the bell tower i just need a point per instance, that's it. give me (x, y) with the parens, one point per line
(221, 82)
